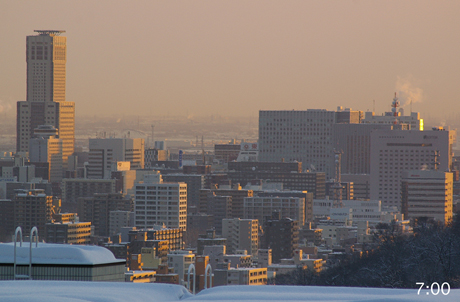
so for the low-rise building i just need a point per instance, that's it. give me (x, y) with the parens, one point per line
(427, 194)
(240, 276)
(209, 239)
(71, 233)
(180, 261)
(260, 207)
(62, 262)
(298, 261)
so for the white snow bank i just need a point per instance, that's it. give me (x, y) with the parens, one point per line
(317, 293)
(74, 291)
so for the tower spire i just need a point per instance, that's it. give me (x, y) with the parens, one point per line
(395, 106)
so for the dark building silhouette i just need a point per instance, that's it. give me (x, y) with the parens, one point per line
(281, 235)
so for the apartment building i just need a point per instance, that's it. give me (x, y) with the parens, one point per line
(241, 234)
(157, 203)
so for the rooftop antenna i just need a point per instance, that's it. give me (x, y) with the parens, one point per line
(373, 108)
(153, 142)
(395, 106)
(410, 106)
(202, 149)
(337, 186)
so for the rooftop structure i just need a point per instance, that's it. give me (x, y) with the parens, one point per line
(49, 32)
(61, 262)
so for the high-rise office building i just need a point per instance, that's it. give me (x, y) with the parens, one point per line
(354, 140)
(303, 136)
(103, 152)
(46, 104)
(396, 151)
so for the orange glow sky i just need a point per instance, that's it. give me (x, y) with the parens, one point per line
(237, 57)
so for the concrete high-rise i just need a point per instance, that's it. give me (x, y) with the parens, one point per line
(103, 152)
(396, 151)
(427, 194)
(158, 203)
(46, 148)
(281, 235)
(354, 140)
(241, 234)
(302, 136)
(46, 56)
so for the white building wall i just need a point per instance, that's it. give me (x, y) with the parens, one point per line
(180, 261)
(362, 210)
(429, 194)
(396, 151)
(158, 203)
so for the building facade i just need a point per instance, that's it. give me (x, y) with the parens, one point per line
(195, 183)
(103, 152)
(46, 56)
(240, 276)
(261, 207)
(396, 151)
(427, 194)
(70, 233)
(96, 209)
(32, 208)
(314, 182)
(46, 148)
(156, 203)
(282, 236)
(241, 234)
(354, 140)
(302, 136)
(73, 188)
(237, 195)
(414, 120)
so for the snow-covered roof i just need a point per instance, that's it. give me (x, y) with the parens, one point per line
(57, 291)
(48, 253)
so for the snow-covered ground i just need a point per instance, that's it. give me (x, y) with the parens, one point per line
(54, 291)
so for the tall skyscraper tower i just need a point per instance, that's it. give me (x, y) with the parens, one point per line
(46, 105)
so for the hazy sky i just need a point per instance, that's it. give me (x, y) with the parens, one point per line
(237, 57)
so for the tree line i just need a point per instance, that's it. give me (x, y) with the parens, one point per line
(430, 254)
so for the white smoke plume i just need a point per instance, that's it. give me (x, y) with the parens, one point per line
(407, 91)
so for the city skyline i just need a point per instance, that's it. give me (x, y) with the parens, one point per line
(200, 58)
